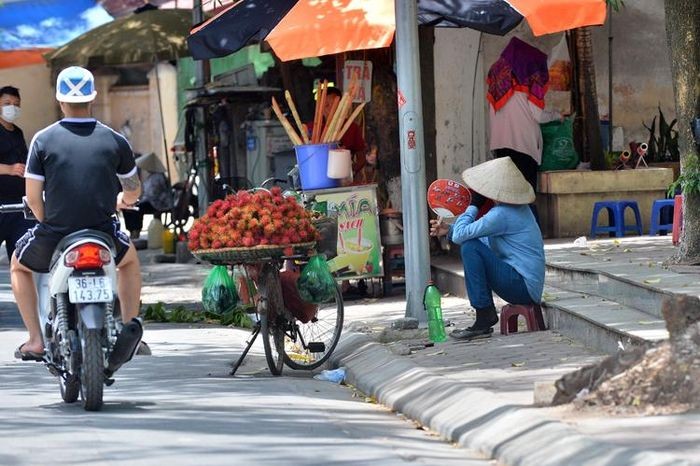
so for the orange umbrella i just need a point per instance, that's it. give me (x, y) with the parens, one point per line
(549, 16)
(322, 27)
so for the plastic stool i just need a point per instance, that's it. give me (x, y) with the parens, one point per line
(531, 312)
(616, 216)
(656, 216)
(677, 219)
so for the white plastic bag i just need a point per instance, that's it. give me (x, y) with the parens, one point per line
(559, 64)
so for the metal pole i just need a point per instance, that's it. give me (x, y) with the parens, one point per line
(166, 154)
(413, 185)
(610, 78)
(200, 155)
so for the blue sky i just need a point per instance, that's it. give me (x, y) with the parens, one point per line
(46, 23)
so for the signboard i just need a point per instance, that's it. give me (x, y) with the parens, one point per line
(361, 72)
(359, 243)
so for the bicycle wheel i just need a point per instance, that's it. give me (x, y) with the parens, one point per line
(271, 317)
(308, 345)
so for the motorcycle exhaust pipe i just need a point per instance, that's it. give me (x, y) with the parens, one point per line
(125, 347)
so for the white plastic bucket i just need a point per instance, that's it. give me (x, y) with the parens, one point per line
(339, 164)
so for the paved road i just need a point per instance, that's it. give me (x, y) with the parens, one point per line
(180, 407)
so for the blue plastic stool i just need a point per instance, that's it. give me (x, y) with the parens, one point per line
(616, 218)
(656, 209)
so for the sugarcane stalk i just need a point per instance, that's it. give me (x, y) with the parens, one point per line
(350, 120)
(296, 140)
(295, 114)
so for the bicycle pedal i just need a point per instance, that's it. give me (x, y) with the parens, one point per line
(316, 347)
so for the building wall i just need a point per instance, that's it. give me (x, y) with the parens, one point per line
(139, 105)
(459, 101)
(641, 80)
(39, 107)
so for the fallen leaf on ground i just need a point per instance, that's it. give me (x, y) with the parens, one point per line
(652, 280)
(517, 364)
(627, 250)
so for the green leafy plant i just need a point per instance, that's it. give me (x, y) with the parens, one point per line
(689, 180)
(664, 147)
(616, 4)
(236, 317)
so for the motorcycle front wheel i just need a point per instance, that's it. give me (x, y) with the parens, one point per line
(92, 369)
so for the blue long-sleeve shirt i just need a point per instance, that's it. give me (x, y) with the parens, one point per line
(512, 233)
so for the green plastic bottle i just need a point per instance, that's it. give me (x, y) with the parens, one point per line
(431, 301)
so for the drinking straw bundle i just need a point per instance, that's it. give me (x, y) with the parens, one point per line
(334, 127)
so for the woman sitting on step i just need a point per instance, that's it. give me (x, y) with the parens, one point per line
(502, 251)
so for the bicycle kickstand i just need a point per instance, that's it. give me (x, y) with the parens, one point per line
(250, 342)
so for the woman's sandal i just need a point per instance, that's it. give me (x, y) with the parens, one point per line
(471, 333)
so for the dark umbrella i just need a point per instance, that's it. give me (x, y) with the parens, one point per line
(146, 37)
(489, 16)
(236, 26)
(249, 21)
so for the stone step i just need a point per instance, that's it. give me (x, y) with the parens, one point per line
(599, 323)
(573, 308)
(640, 296)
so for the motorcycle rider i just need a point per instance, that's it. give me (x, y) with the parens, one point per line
(75, 163)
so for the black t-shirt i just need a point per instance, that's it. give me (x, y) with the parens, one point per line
(13, 150)
(79, 161)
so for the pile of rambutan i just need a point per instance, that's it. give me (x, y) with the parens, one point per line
(248, 219)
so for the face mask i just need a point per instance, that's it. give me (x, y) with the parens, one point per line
(10, 113)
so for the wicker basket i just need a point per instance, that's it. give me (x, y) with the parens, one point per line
(254, 254)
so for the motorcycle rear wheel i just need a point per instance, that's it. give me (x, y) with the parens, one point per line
(92, 369)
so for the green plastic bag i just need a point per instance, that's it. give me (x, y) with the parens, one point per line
(316, 283)
(219, 293)
(558, 152)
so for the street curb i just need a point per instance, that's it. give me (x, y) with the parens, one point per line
(475, 418)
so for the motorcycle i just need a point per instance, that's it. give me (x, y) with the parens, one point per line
(85, 340)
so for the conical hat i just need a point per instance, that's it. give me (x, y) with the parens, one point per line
(499, 179)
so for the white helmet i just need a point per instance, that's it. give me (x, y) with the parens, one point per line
(75, 85)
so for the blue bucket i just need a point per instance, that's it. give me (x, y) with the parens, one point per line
(313, 166)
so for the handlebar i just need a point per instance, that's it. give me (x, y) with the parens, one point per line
(23, 207)
(11, 208)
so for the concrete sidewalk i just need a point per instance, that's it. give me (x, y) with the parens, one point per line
(480, 394)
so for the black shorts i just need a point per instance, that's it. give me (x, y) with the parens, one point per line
(35, 249)
(12, 227)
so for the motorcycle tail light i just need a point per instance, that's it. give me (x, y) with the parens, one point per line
(87, 256)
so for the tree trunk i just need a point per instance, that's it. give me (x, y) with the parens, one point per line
(587, 105)
(683, 36)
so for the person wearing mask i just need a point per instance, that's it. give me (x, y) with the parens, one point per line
(502, 251)
(75, 171)
(13, 156)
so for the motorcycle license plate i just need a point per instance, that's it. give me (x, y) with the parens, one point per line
(89, 290)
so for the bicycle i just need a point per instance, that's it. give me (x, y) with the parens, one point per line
(287, 340)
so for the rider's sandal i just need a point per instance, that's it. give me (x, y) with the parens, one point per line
(28, 355)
